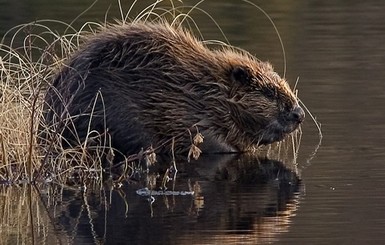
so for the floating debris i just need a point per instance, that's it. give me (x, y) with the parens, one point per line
(146, 192)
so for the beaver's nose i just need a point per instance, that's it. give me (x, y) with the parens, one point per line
(297, 115)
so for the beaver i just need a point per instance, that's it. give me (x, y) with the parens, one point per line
(144, 83)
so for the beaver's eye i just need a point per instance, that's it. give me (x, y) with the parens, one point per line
(241, 75)
(271, 94)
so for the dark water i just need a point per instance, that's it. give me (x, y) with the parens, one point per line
(337, 50)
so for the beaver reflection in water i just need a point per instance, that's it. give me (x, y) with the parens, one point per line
(149, 82)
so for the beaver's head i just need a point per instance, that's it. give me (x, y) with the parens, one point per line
(260, 103)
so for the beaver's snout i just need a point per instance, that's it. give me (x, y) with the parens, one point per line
(285, 124)
(297, 115)
(290, 121)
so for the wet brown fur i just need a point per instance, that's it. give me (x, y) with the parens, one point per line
(149, 82)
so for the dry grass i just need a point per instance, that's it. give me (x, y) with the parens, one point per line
(22, 79)
(26, 71)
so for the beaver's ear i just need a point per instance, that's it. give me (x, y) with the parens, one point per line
(241, 75)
